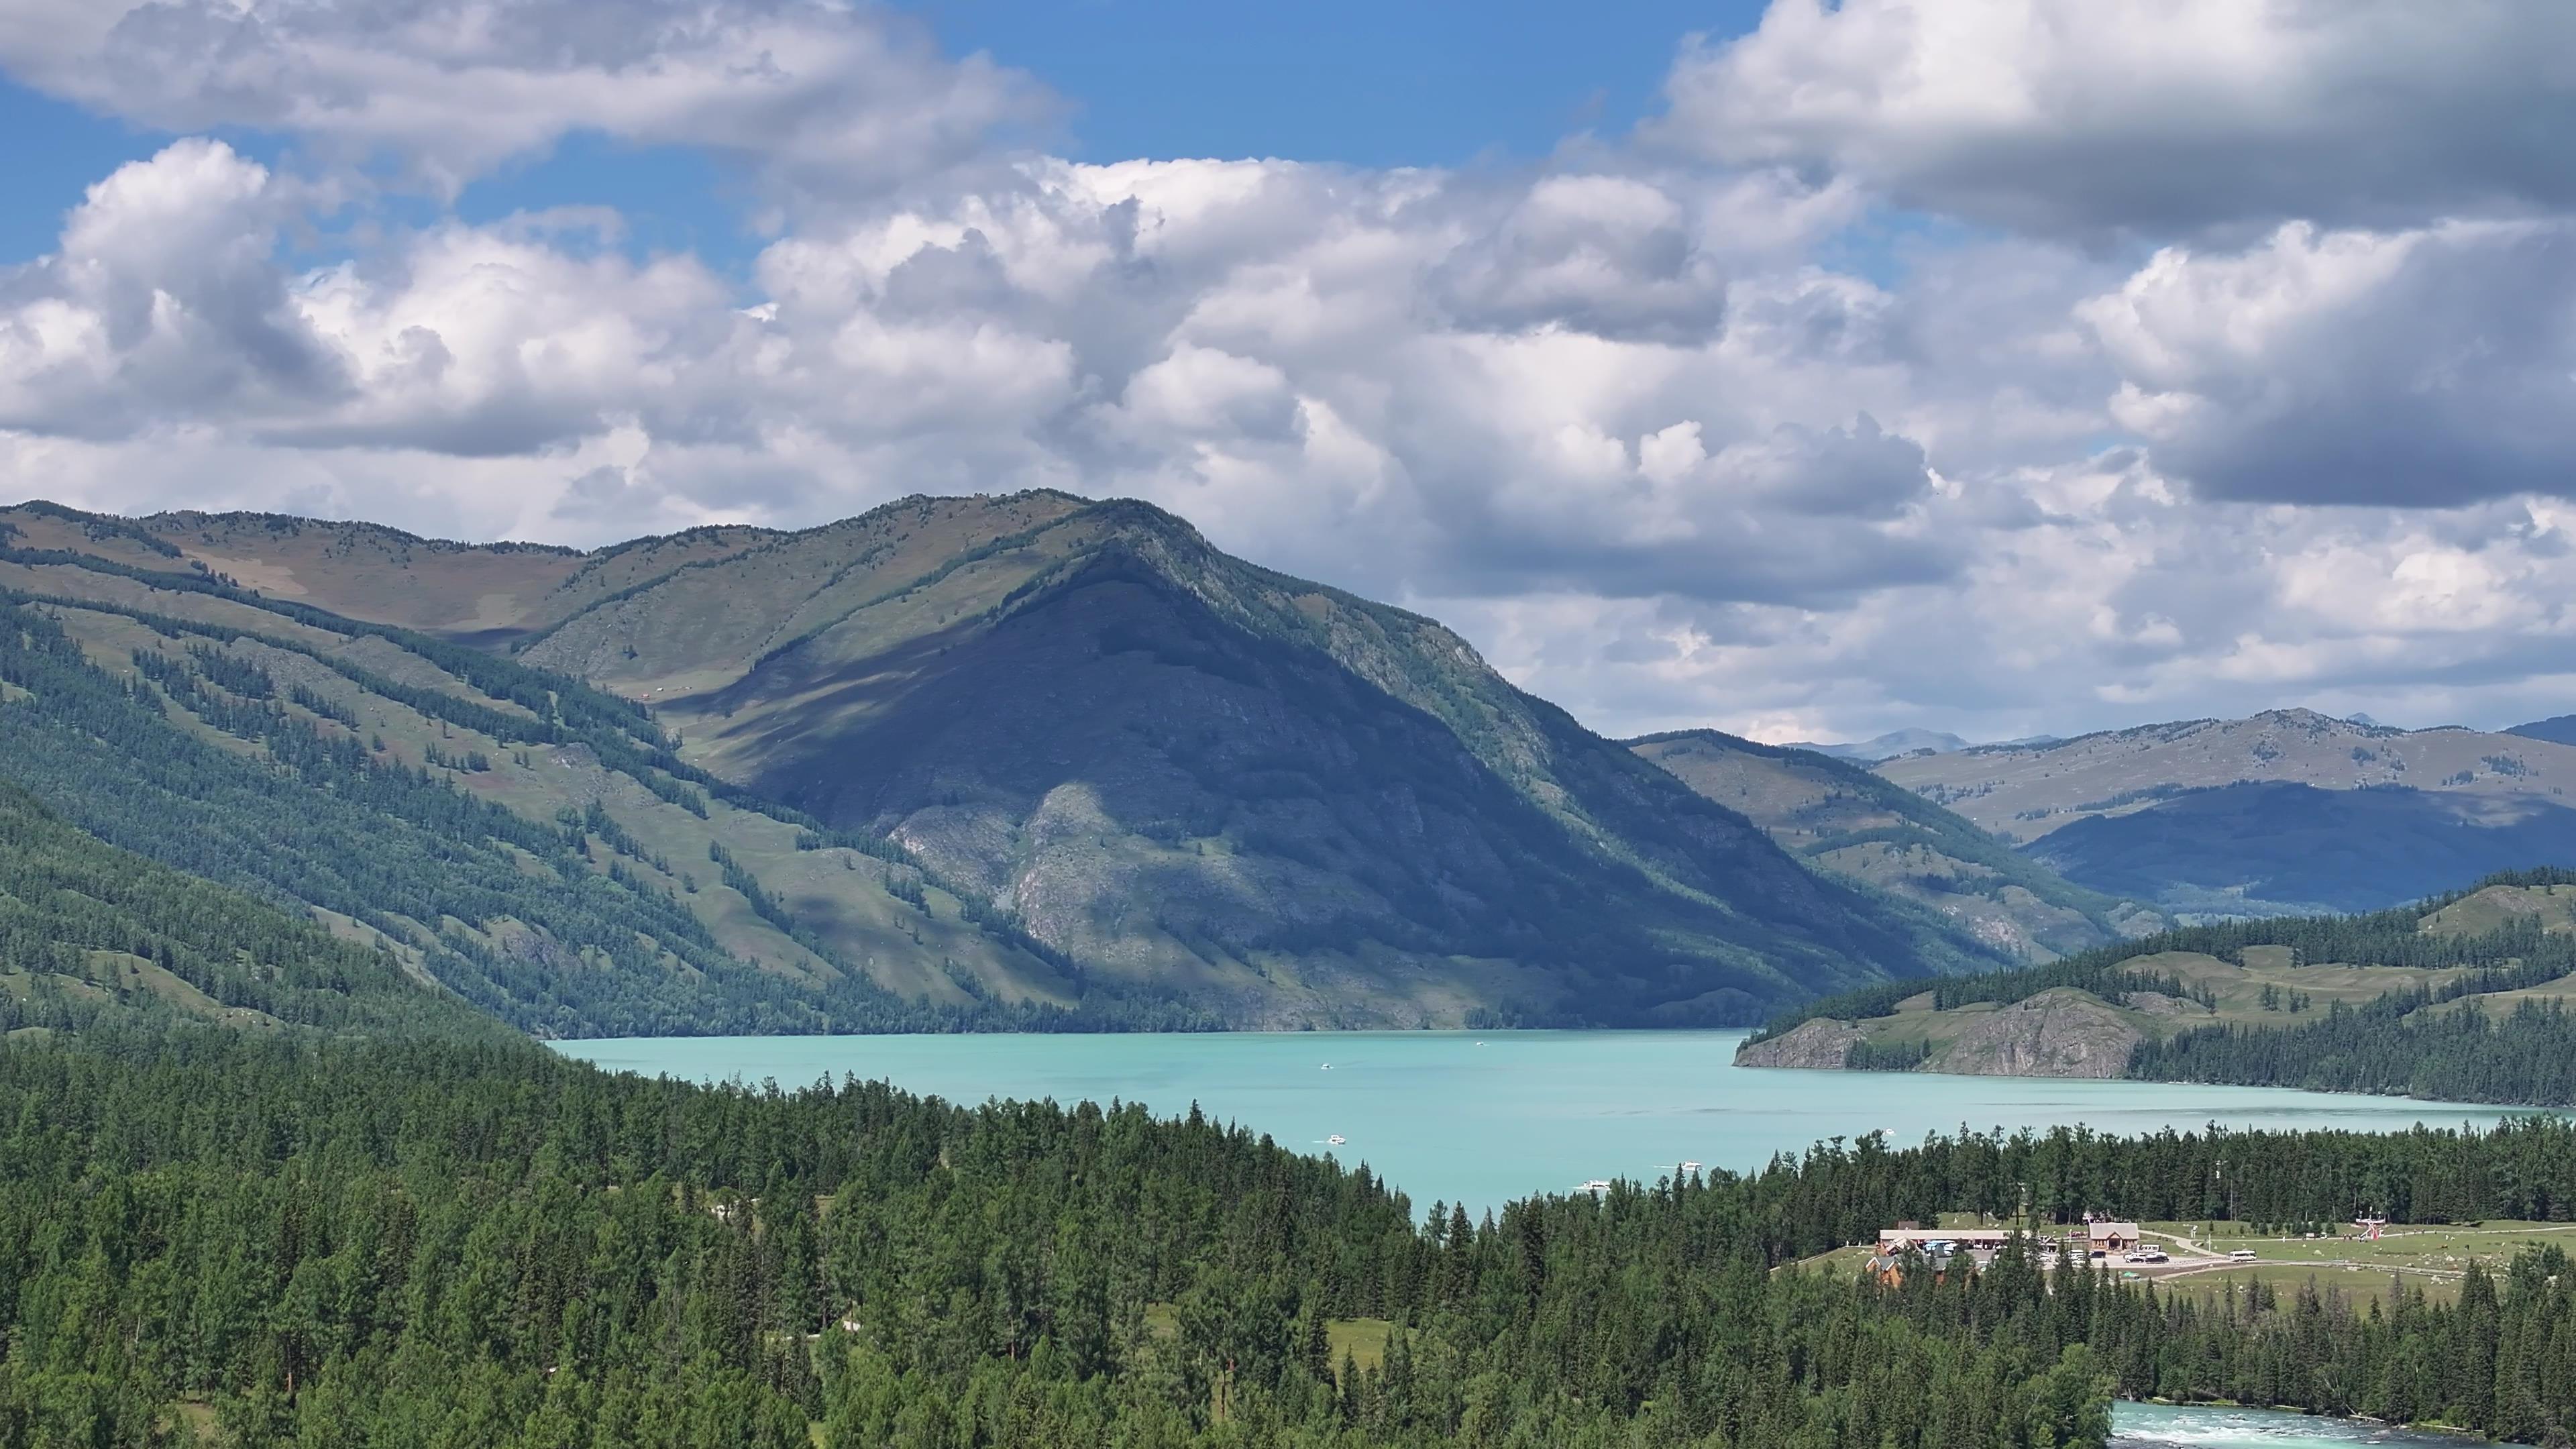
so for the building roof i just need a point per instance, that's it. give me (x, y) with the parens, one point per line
(1982, 1237)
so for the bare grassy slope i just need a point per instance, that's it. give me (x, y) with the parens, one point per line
(2285, 812)
(2027, 791)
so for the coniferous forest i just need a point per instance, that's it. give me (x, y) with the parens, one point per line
(262, 1186)
(288, 1237)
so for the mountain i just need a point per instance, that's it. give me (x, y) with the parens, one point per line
(2464, 997)
(1840, 817)
(2285, 812)
(1886, 746)
(526, 841)
(980, 761)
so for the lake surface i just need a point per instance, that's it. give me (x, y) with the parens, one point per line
(2158, 1426)
(1482, 1119)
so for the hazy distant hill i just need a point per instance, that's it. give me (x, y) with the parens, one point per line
(2288, 811)
(1839, 816)
(1886, 746)
(961, 755)
(2557, 729)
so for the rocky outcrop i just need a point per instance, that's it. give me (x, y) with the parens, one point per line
(2158, 1003)
(2060, 1033)
(1818, 1043)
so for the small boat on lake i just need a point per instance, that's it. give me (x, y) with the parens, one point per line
(1336, 1139)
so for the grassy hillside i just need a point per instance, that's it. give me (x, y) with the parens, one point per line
(1843, 818)
(525, 840)
(1057, 755)
(92, 935)
(2287, 812)
(2463, 997)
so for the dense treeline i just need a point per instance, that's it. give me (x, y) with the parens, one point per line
(2501, 1361)
(418, 1242)
(457, 1242)
(2395, 1045)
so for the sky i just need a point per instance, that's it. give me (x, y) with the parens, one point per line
(1805, 370)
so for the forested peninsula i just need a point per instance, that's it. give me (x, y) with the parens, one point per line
(2461, 998)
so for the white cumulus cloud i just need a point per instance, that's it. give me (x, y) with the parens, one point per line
(2229, 369)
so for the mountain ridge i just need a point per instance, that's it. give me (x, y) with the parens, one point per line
(2283, 812)
(1839, 816)
(1194, 780)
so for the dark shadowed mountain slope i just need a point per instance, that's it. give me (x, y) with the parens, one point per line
(2558, 729)
(1182, 768)
(1844, 819)
(2275, 848)
(1177, 776)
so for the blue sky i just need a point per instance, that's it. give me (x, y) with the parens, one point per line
(1371, 84)
(1438, 83)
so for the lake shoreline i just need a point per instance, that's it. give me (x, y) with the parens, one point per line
(1484, 1118)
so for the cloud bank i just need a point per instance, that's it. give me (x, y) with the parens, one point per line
(1992, 365)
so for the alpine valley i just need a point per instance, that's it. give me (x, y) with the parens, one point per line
(1026, 761)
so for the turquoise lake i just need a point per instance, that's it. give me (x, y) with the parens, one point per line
(2154, 1426)
(1484, 1118)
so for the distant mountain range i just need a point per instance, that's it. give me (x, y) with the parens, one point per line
(1839, 817)
(1886, 746)
(1905, 742)
(2286, 812)
(1022, 761)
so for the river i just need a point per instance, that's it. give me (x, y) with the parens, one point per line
(1484, 1118)
(2160, 1426)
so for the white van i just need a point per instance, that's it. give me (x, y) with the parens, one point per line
(2241, 1255)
